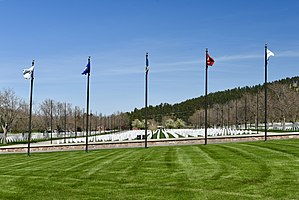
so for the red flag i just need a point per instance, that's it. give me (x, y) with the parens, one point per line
(210, 60)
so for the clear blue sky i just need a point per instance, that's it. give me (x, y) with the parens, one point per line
(61, 34)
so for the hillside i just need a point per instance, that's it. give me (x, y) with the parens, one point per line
(186, 109)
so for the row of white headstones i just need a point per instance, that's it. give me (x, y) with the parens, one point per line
(158, 134)
(20, 137)
(138, 134)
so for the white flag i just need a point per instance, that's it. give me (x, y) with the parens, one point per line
(27, 72)
(269, 53)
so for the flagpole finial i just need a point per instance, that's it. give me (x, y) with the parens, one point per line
(32, 62)
(206, 49)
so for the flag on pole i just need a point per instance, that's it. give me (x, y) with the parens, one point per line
(146, 62)
(87, 68)
(27, 72)
(269, 53)
(210, 60)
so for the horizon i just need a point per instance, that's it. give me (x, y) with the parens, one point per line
(117, 34)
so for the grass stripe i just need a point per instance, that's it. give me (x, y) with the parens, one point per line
(252, 170)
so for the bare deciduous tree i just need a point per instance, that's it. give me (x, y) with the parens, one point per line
(10, 106)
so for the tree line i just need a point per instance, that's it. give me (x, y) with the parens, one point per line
(53, 116)
(233, 106)
(225, 108)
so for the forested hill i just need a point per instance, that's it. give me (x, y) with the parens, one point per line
(186, 109)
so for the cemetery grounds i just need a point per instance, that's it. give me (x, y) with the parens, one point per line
(249, 170)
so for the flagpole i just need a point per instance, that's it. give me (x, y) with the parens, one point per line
(30, 109)
(64, 122)
(206, 100)
(90, 133)
(266, 63)
(51, 113)
(75, 121)
(257, 112)
(87, 107)
(146, 91)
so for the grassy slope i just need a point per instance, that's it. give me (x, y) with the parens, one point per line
(255, 170)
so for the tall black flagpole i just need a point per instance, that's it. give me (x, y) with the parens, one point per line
(90, 122)
(266, 71)
(146, 86)
(83, 119)
(65, 122)
(87, 106)
(51, 113)
(245, 112)
(30, 109)
(236, 113)
(257, 112)
(206, 100)
(75, 121)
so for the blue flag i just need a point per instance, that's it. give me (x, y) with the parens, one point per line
(146, 62)
(87, 68)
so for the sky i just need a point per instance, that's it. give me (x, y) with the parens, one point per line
(60, 35)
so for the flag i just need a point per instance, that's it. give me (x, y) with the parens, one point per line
(87, 68)
(146, 62)
(210, 60)
(27, 72)
(269, 53)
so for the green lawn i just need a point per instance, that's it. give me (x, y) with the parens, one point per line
(253, 170)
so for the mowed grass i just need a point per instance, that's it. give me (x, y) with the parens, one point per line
(253, 170)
